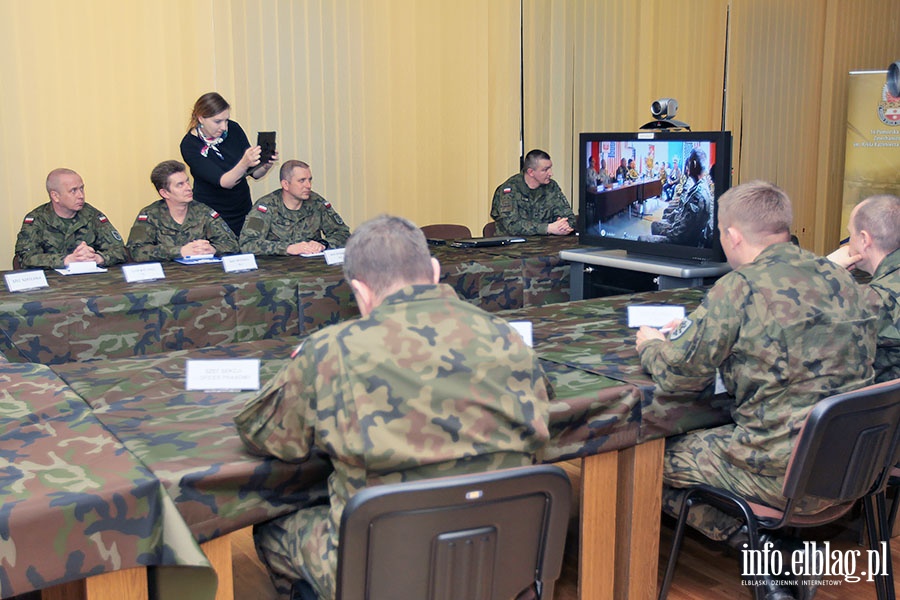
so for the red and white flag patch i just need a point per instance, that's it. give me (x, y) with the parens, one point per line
(507, 190)
(29, 220)
(262, 208)
(142, 217)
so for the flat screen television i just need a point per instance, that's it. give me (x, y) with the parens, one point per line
(654, 193)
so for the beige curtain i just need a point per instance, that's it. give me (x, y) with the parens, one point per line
(409, 107)
(413, 106)
(780, 69)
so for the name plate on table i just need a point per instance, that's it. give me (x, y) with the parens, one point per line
(222, 375)
(238, 263)
(79, 268)
(654, 315)
(523, 328)
(22, 281)
(334, 256)
(143, 272)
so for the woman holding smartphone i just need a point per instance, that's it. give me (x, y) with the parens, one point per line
(220, 157)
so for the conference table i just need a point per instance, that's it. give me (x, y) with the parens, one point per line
(99, 316)
(602, 202)
(605, 413)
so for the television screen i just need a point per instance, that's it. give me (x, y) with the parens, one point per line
(654, 193)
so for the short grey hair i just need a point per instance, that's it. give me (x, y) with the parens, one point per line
(388, 251)
(880, 216)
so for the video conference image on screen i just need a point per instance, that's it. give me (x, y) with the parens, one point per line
(653, 191)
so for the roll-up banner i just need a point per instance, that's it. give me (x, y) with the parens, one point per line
(872, 163)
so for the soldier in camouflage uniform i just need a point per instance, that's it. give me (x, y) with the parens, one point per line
(293, 220)
(67, 229)
(784, 330)
(176, 226)
(688, 219)
(874, 247)
(422, 385)
(531, 203)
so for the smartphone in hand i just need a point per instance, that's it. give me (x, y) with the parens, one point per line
(266, 141)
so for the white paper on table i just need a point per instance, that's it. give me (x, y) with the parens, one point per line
(78, 268)
(524, 329)
(654, 315)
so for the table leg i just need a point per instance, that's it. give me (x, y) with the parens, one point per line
(639, 500)
(128, 584)
(597, 553)
(218, 551)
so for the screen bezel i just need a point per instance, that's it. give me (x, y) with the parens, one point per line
(721, 182)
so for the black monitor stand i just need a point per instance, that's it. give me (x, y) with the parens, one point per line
(599, 272)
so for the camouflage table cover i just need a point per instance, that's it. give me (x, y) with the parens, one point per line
(75, 501)
(593, 336)
(188, 439)
(185, 441)
(85, 317)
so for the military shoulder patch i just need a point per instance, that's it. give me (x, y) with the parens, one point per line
(326, 203)
(142, 217)
(682, 327)
(117, 236)
(507, 190)
(29, 220)
(262, 208)
(103, 219)
(214, 214)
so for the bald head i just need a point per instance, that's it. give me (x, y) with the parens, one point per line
(55, 179)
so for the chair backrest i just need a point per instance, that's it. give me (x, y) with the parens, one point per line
(16, 264)
(489, 229)
(479, 537)
(446, 231)
(846, 445)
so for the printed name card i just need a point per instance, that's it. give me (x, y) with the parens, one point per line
(335, 256)
(239, 263)
(22, 281)
(143, 272)
(654, 315)
(79, 268)
(222, 375)
(524, 329)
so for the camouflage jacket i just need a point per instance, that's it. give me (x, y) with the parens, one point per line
(784, 331)
(689, 223)
(155, 235)
(520, 210)
(271, 227)
(886, 283)
(425, 385)
(46, 238)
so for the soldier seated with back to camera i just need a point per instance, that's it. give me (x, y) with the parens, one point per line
(419, 368)
(779, 303)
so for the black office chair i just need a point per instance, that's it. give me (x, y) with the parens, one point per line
(841, 454)
(498, 535)
(446, 231)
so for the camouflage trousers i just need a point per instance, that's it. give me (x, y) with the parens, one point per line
(699, 457)
(299, 546)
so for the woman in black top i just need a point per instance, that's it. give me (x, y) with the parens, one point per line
(220, 158)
